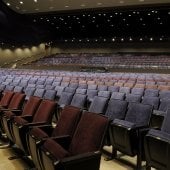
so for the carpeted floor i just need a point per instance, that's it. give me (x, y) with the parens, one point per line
(122, 163)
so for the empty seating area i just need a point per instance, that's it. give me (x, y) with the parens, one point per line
(63, 119)
(109, 61)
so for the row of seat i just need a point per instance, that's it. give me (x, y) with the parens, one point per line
(131, 117)
(110, 79)
(65, 75)
(104, 60)
(37, 112)
(95, 101)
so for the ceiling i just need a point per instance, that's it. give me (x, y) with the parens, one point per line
(133, 21)
(37, 6)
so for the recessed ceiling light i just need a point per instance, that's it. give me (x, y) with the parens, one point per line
(8, 3)
(141, 39)
(151, 39)
(35, 1)
(99, 3)
(121, 2)
(161, 39)
(37, 9)
(82, 5)
(169, 13)
(21, 2)
(66, 6)
(113, 39)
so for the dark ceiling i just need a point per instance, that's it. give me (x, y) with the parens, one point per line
(148, 23)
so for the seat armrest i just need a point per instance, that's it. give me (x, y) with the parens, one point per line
(35, 124)
(159, 113)
(16, 111)
(123, 124)
(159, 135)
(27, 117)
(46, 128)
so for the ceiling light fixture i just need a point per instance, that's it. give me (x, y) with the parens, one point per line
(21, 2)
(121, 2)
(8, 4)
(99, 3)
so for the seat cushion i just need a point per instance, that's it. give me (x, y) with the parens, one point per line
(55, 149)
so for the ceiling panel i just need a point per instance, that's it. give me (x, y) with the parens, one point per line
(36, 6)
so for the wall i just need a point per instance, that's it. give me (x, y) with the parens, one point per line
(13, 54)
(110, 48)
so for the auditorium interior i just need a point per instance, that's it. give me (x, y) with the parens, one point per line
(85, 85)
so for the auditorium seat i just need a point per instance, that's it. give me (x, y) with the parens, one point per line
(157, 147)
(65, 99)
(82, 151)
(151, 92)
(6, 98)
(91, 94)
(160, 113)
(8, 88)
(127, 134)
(79, 100)
(118, 96)
(70, 89)
(113, 88)
(20, 124)
(15, 104)
(98, 105)
(39, 92)
(164, 94)
(81, 91)
(49, 94)
(125, 90)
(133, 98)
(150, 100)
(137, 91)
(59, 90)
(18, 89)
(29, 91)
(29, 109)
(66, 125)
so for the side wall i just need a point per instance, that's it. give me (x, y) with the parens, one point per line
(110, 48)
(8, 55)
